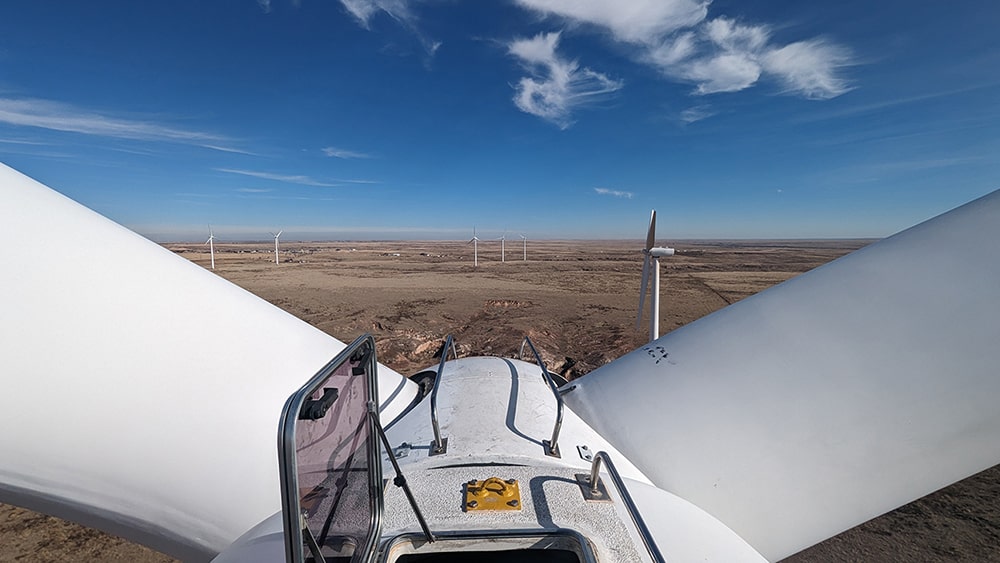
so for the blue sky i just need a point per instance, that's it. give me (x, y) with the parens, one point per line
(386, 119)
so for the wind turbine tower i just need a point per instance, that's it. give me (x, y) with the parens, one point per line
(211, 245)
(524, 248)
(276, 245)
(475, 247)
(503, 252)
(651, 270)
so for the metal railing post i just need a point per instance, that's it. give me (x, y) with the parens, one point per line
(633, 511)
(551, 446)
(440, 445)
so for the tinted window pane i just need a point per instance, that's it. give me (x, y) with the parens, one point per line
(332, 464)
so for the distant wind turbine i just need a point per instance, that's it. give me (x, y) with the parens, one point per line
(651, 272)
(211, 245)
(276, 245)
(475, 247)
(503, 255)
(524, 248)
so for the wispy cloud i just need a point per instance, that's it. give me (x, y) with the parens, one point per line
(297, 178)
(633, 21)
(615, 193)
(55, 116)
(289, 178)
(697, 113)
(265, 5)
(22, 142)
(557, 86)
(809, 68)
(716, 55)
(364, 10)
(356, 181)
(891, 103)
(229, 150)
(399, 10)
(335, 152)
(253, 190)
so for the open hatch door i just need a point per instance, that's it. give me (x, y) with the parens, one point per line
(331, 473)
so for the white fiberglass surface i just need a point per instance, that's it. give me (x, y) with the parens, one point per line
(827, 400)
(141, 392)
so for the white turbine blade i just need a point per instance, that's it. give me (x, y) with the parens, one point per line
(131, 424)
(825, 401)
(651, 234)
(279, 234)
(642, 289)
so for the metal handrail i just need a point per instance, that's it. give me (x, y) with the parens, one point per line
(633, 512)
(439, 446)
(553, 444)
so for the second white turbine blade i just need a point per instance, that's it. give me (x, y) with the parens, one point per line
(838, 395)
(651, 234)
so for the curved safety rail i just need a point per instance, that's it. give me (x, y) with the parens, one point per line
(551, 446)
(594, 490)
(440, 445)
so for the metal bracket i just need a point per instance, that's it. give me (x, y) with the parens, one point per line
(315, 409)
(492, 494)
(589, 495)
(438, 451)
(402, 451)
(585, 453)
(549, 450)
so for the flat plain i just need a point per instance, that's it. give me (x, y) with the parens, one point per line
(577, 301)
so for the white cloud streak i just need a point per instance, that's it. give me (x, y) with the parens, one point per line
(295, 178)
(229, 150)
(614, 193)
(335, 152)
(55, 116)
(632, 21)
(289, 178)
(363, 10)
(399, 10)
(697, 113)
(557, 86)
(22, 142)
(809, 68)
(716, 55)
